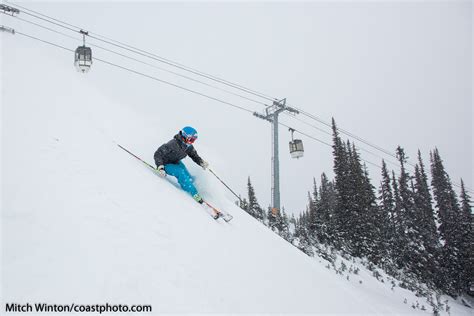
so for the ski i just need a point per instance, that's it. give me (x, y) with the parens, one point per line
(218, 213)
(215, 213)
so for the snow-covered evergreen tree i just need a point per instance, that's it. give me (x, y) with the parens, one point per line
(450, 278)
(375, 221)
(414, 252)
(325, 211)
(426, 222)
(399, 239)
(244, 204)
(387, 217)
(467, 250)
(253, 208)
(342, 187)
(302, 235)
(314, 221)
(284, 226)
(363, 208)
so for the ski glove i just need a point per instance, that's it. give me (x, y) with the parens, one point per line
(204, 165)
(161, 171)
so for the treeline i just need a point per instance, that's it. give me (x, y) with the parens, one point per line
(410, 227)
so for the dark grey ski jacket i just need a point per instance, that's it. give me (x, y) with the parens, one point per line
(175, 150)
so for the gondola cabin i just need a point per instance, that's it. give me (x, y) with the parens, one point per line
(83, 59)
(296, 148)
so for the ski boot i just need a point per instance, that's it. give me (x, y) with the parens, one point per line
(198, 198)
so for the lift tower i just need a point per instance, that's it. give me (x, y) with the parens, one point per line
(271, 115)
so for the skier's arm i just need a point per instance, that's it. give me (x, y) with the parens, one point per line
(195, 157)
(159, 156)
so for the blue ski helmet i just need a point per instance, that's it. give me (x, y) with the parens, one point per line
(189, 134)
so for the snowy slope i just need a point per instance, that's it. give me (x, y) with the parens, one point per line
(84, 222)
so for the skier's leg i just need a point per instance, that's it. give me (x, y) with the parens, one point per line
(185, 180)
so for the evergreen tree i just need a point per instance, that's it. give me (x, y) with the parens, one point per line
(426, 222)
(279, 221)
(406, 195)
(302, 235)
(399, 240)
(467, 249)
(374, 220)
(414, 253)
(284, 226)
(362, 225)
(444, 195)
(342, 187)
(253, 207)
(387, 208)
(386, 194)
(450, 278)
(244, 204)
(353, 222)
(313, 220)
(424, 205)
(325, 210)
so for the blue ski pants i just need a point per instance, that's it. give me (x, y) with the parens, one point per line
(185, 180)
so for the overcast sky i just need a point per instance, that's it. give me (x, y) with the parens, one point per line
(394, 73)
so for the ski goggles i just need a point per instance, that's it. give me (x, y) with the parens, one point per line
(190, 139)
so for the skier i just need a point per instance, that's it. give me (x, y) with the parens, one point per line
(168, 160)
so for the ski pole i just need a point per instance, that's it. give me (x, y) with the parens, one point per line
(225, 184)
(146, 163)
